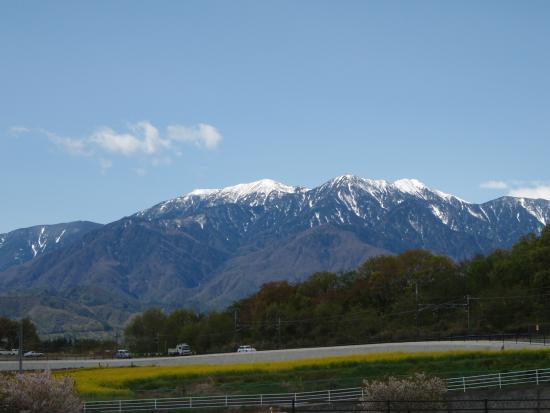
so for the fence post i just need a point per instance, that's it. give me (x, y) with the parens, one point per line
(120, 405)
(499, 381)
(329, 399)
(464, 384)
(226, 400)
(261, 399)
(190, 402)
(537, 376)
(155, 404)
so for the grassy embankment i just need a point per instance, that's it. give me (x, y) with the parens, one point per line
(296, 375)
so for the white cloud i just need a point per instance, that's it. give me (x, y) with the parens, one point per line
(494, 185)
(536, 192)
(202, 135)
(141, 139)
(74, 146)
(17, 130)
(521, 189)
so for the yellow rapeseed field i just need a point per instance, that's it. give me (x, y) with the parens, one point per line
(113, 382)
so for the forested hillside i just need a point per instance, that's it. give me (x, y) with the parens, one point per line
(415, 293)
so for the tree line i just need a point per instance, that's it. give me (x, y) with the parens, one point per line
(9, 334)
(413, 294)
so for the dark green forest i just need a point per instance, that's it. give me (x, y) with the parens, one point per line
(413, 294)
(9, 334)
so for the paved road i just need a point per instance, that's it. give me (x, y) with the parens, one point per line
(267, 356)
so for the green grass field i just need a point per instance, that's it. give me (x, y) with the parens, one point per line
(297, 375)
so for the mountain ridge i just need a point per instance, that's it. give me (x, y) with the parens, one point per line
(209, 247)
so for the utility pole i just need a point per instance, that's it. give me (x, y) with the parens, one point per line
(468, 311)
(236, 326)
(279, 332)
(417, 310)
(21, 346)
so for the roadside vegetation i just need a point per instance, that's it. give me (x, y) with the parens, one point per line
(296, 375)
(38, 393)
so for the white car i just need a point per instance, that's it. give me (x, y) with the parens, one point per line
(123, 354)
(246, 349)
(33, 354)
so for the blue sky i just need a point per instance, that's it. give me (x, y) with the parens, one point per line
(110, 107)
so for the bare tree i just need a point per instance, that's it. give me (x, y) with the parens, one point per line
(39, 393)
(419, 393)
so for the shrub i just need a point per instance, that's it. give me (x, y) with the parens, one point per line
(39, 393)
(414, 394)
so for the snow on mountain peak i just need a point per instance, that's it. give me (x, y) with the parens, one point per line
(410, 186)
(417, 188)
(202, 192)
(263, 186)
(261, 189)
(348, 179)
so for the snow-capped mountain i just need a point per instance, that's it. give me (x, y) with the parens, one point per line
(22, 245)
(256, 193)
(211, 246)
(393, 215)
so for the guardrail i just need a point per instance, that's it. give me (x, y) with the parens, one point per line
(315, 397)
(527, 405)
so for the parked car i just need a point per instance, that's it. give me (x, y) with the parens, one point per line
(245, 349)
(180, 350)
(33, 354)
(123, 354)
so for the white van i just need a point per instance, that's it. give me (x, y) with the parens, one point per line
(180, 350)
(246, 349)
(123, 354)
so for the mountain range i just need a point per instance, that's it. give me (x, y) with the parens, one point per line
(210, 247)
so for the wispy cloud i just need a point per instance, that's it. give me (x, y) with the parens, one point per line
(494, 185)
(522, 189)
(541, 191)
(73, 146)
(16, 130)
(202, 135)
(141, 139)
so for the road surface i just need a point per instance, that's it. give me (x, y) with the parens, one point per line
(269, 356)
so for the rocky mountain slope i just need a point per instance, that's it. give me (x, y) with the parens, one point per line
(209, 247)
(22, 245)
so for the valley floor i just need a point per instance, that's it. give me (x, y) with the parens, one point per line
(296, 375)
